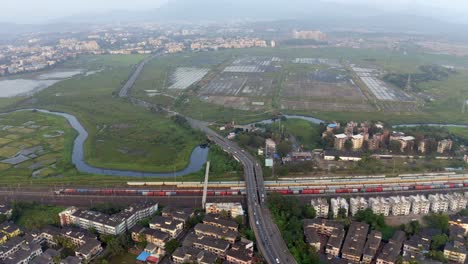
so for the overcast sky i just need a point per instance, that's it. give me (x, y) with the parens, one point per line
(30, 11)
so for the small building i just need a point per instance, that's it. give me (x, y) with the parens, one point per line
(342, 155)
(167, 225)
(312, 238)
(455, 253)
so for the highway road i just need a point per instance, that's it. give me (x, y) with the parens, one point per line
(269, 239)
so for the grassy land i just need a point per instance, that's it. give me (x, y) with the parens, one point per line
(121, 136)
(126, 258)
(307, 134)
(38, 216)
(459, 131)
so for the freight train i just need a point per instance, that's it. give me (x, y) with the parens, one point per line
(233, 191)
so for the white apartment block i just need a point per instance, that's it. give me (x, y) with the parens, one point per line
(457, 201)
(337, 203)
(439, 203)
(108, 224)
(358, 204)
(321, 207)
(419, 204)
(399, 205)
(379, 205)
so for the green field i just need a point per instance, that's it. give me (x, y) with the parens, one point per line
(39, 216)
(121, 135)
(459, 131)
(306, 133)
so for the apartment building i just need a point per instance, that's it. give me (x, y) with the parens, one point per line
(357, 140)
(340, 140)
(181, 214)
(218, 221)
(321, 207)
(167, 225)
(439, 203)
(233, 209)
(216, 232)
(392, 249)
(457, 201)
(399, 205)
(107, 224)
(312, 238)
(353, 246)
(455, 253)
(419, 204)
(152, 236)
(333, 246)
(444, 145)
(379, 205)
(338, 203)
(192, 255)
(416, 247)
(372, 245)
(358, 204)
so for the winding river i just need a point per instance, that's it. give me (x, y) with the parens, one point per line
(198, 157)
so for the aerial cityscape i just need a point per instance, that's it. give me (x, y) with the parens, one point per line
(237, 132)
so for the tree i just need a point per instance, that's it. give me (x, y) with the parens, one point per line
(438, 221)
(342, 213)
(283, 148)
(437, 255)
(348, 145)
(439, 241)
(412, 228)
(394, 146)
(172, 245)
(308, 211)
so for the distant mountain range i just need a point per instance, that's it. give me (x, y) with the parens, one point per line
(316, 14)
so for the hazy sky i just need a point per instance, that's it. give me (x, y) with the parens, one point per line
(27, 11)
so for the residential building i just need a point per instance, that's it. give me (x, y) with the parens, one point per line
(233, 209)
(25, 254)
(152, 236)
(358, 204)
(379, 205)
(416, 247)
(340, 140)
(218, 221)
(422, 146)
(406, 143)
(455, 253)
(216, 232)
(357, 140)
(392, 249)
(323, 226)
(240, 253)
(444, 145)
(461, 221)
(339, 203)
(213, 245)
(372, 245)
(399, 205)
(193, 255)
(321, 207)
(333, 246)
(419, 204)
(167, 225)
(107, 224)
(439, 203)
(6, 210)
(312, 238)
(353, 246)
(270, 147)
(181, 214)
(9, 230)
(457, 201)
